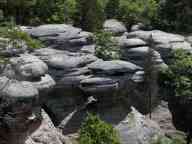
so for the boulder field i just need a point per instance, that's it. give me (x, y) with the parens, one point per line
(55, 83)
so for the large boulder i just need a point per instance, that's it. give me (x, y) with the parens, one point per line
(114, 26)
(17, 89)
(46, 133)
(28, 67)
(137, 129)
(19, 110)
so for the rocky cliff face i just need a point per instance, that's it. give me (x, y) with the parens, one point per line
(66, 75)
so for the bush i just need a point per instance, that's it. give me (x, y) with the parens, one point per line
(106, 46)
(178, 77)
(135, 11)
(95, 131)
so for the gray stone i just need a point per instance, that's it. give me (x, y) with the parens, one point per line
(28, 67)
(64, 59)
(130, 43)
(137, 27)
(157, 36)
(46, 83)
(46, 133)
(113, 67)
(67, 62)
(137, 129)
(15, 89)
(114, 26)
(61, 36)
(138, 56)
(88, 49)
(138, 77)
(189, 39)
(98, 84)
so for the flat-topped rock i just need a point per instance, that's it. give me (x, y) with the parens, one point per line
(13, 89)
(64, 59)
(51, 30)
(61, 36)
(131, 42)
(157, 36)
(113, 67)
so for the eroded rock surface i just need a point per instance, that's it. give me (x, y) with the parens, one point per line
(137, 129)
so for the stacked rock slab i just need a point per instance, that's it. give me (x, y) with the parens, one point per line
(62, 36)
(22, 119)
(78, 72)
(164, 42)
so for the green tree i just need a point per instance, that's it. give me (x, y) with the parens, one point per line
(134, 11)
(150, 77)
(112, 9)
(175, 15)
(96, 131)
(89, 15)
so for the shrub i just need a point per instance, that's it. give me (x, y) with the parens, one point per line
(106, 46)
(95, 131)
(178, 76)
(132, 12)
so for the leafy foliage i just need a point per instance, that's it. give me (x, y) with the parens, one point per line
(106, 46)
(166, 140)
(17, 37)
(134, 11)
(95, 131)
(175, 15)
(179, 75)
(112, 9)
